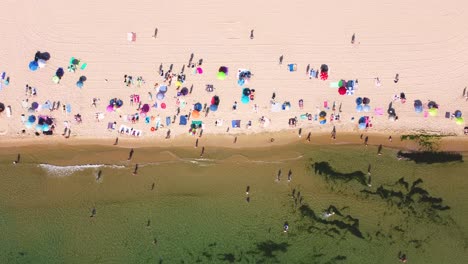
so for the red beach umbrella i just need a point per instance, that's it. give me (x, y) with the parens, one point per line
(342, 90)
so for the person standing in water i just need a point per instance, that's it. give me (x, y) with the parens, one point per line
(18, 158)
(116, 141)
(130, 155)
(135, 172)
(308, 136)
(202, 152)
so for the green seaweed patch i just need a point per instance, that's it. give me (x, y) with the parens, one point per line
(344, 223)
(413, 200)
(425, 141)
(324, 168)
(430, 157)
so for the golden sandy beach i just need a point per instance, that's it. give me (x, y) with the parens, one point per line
(424, 45)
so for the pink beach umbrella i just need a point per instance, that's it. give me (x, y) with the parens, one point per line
(163, 105)
(199, 70)
(145, 108)
(342, 90)
(110, 108)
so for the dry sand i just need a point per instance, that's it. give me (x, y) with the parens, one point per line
(425, 45)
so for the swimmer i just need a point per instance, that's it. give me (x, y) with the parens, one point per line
(285, 227)
(289, 176)
(247, 190)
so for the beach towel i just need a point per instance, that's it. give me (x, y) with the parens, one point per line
(334, 85)
(378, 111)
(275, 107)
(68, 107)
(183, 120)
(83, 66)
(236, 123)
(109, 125)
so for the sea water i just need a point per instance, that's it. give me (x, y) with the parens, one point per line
(179, 208)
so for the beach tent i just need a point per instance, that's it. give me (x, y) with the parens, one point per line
(235, 123)
(183, 120)
(33, 65)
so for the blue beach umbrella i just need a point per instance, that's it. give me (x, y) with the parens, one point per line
(33, 65)
(359, 108)
(79, 84)
(359, 101)
(366, 108)
(28, 124)
(32, 118)
(241, 82)
(213, 108)
(245, 99)
(160, 96)
(362, 126)
(163, 89)
(323, 121)
(45, 127)
(198, 107)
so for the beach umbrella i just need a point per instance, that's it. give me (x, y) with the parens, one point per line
(199, 70)
(110, 108)
(432, 104)
(184, 91)
(213, 108)
(197, 107)
(56, 79)
(433, 111)
(195, 114)
(28, 124)
(45, 127)
(145, 108)
(245, 99)
(324, 68)
(223, 69)
(342, 90)
(41, 63)
(33, 65)
(221, 76)
(459, 121)
(417, 103)
(34, 105)
(359, 100)
(365, 100)
(59, 73)
(160, 96)
(178, 84)
(119, 103)
(366, 108)
(246, 92)
(163, 105)
(323, 114)
(418, 109)
(359, 108)
(83, 78)
(79, 84)
(458, 113)
(2, 107)
(163, 89)
(39, 127)
(342, 83)
(362, 126)
(32, 118)
(323, 121)
(241, 82)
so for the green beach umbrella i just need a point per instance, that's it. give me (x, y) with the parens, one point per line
(433, 111)
(459, 121)
(56, 79)
(221, 75)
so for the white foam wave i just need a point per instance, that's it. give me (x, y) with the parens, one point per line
(69, 170)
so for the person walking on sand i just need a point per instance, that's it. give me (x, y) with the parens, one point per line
(300, 132)
(130, 155)
(202, 152)
(397, 78)
(379, 151)
(116, 141)
(235, 140)
(307, 68)
(353, 38)
(278, 176)
(289, 175)
(18, 158)
(308, 136)
(369, 169)
(196, 143)
(155, 33)
(281, 59)
(136, 169)
(366, 140)
(251, 34)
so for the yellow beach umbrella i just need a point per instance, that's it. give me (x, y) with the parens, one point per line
(433, 111)
(178, 84)
(56, 79)
(459, 121)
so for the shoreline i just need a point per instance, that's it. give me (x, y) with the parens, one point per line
(244, 141)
